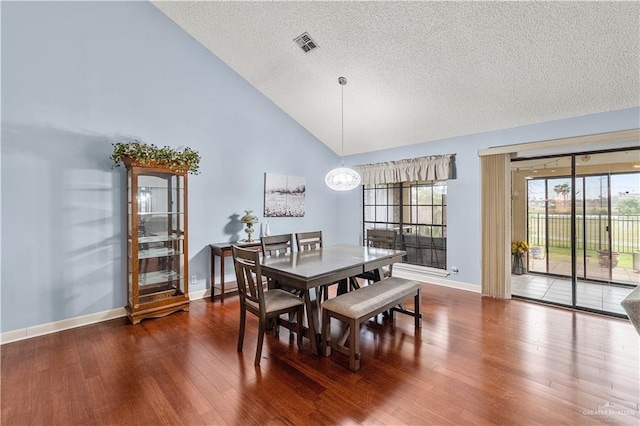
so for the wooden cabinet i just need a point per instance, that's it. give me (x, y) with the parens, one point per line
(157, 260)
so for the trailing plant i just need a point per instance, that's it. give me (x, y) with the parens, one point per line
(145, 155)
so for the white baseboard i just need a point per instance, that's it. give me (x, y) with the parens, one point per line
(416, 275)
(200, 294)
(54, 327)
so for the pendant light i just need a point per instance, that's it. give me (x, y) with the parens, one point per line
(342, 178)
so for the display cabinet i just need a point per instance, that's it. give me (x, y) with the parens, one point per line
(157, 260)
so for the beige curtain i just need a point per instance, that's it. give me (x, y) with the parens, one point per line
(496, 229)
(432, 168)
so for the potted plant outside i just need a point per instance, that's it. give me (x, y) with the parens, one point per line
(138, 153)
(608, 258)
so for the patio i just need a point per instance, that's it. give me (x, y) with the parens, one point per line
(589, 294)
(594, 271)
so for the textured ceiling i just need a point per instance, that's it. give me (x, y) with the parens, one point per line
(424, 71)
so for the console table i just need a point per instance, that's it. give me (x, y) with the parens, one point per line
(223, 250)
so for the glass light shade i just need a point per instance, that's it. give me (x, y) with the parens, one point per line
(248, 217)
(342, 179)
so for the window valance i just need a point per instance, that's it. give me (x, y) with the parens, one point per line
(431, 168)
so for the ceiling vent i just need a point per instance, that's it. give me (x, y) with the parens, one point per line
(305, 42)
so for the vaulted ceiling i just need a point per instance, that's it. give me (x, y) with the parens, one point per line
(425, 71)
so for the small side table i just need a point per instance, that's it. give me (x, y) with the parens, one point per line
(223, 250)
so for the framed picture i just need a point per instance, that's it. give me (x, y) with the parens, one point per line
(283, 195)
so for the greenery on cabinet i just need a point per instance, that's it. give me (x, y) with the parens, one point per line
(147, 155)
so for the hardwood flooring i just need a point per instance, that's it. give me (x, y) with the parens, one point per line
(476, 361)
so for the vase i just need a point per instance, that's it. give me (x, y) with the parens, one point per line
(517, 266)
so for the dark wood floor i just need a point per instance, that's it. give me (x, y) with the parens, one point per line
(476, 361)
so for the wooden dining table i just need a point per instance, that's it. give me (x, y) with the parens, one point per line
(308, 270)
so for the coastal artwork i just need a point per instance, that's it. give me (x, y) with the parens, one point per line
(283, 195)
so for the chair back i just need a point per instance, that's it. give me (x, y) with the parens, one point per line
(381, 238)
(274, 245)
(248, 275)
(424, 250)
(309, 240)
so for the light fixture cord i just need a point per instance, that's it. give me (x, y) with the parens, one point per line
(342, 118)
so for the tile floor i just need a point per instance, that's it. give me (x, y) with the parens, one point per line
(590, 295)
(594, 270)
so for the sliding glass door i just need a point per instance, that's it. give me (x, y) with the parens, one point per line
(583, 227)
(549, 204)
(595, 221)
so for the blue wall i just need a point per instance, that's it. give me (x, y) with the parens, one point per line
(78, 76)
(463, 192)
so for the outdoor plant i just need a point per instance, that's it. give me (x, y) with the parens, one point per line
(519, 248)
(178, 161)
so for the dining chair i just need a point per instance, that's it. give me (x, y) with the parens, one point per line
(306, 241)
(265, 304)
(380, 238)
(309, 240)
(274, 245)
(277, 244)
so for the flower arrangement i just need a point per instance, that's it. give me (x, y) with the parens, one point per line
(519, 248)
(178, 161)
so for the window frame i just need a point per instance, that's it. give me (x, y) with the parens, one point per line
(409, 203)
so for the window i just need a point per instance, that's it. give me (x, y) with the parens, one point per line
(417, 211)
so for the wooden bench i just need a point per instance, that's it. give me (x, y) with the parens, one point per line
(357, 306)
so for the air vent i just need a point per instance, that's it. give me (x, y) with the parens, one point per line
(305, 42)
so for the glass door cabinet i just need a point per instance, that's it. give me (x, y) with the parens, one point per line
(157, 262)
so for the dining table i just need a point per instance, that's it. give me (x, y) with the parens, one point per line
(309, 270)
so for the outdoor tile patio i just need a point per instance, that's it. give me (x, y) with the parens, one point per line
(602, 297)
(595, 271)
